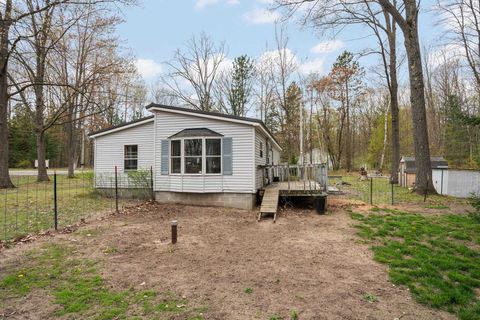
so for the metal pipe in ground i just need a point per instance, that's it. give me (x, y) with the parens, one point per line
(55, 205)
(116, 189)
(174, 231)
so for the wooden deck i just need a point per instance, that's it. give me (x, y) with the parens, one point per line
(292, 189)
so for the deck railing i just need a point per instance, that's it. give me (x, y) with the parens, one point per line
(313, 176)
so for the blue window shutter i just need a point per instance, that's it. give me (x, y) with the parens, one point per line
(165, 157)
(227, 161)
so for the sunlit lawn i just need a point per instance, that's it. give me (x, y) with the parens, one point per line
(436, 257)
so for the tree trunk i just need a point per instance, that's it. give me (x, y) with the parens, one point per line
(42, 174)
(41, 155)
(385, 139)
(394, 104)
(5, 181)
(71, 145)
(423, 180)
(348, 138)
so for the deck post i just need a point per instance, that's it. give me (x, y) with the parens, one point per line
(288, 176)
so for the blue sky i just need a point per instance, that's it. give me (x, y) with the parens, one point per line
(156, 28)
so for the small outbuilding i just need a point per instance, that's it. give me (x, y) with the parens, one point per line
(407, 170)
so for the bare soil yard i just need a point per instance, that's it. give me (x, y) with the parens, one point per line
(227, 266)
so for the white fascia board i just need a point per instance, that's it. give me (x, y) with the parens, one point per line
(121, 128)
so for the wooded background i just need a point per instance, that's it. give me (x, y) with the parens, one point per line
(63, 74)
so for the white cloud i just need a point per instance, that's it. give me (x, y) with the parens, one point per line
(200, 4)
(261, 16)
(312, 66)
(269, 58)
(148, 68)
(327, 46)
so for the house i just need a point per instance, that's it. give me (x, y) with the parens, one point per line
(197, 157)
(407, 169)
(317, 156)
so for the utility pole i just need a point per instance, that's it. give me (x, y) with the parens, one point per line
(301, 132)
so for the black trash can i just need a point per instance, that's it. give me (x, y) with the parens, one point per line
(321, 204)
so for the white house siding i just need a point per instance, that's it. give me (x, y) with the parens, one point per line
(259, 161)
(275, 159)
(276, 156)
(109, 151)
(242, 179)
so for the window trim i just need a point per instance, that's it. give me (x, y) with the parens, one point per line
(204, 156)
(170, 166)
(125, 158)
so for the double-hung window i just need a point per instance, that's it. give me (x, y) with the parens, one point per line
(213, 156)
(193, 155)
(196, 156)
(130, 157)
(176, 156)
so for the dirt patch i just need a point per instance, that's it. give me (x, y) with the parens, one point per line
(305, 262)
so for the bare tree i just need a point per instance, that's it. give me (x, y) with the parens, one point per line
(282, 69)
(12, 16)
(264, 90)
(332, 13)
(196, 69)
(462, 20)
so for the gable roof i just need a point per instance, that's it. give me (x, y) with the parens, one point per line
(122, 126)
(216, 115)
(196, 132)
(437, 163)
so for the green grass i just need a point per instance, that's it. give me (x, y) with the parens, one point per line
(79, 291)
(437, 206)
(29, 208)
(436, 257)
(382, 193)
(248, 290)
(293, 315)
(370, 297)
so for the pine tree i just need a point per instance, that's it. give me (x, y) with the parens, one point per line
(456, 134)
(291, 122)
(241, 85)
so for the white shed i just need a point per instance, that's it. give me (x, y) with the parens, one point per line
(197, 157)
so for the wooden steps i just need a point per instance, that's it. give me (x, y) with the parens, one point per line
(293, 189)
(269, 202)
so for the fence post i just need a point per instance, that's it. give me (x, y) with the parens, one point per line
(55, 207)
(151, 183)
(116, 189)
(391, 183)
(426, 192)
(371, 191)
